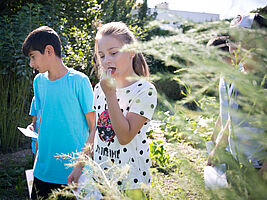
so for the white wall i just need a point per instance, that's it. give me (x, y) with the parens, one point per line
(173, 15)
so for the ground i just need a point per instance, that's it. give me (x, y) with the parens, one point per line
(12, 174)
(182, 178)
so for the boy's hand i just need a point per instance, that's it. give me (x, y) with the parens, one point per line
(75, 175)
(31, 127)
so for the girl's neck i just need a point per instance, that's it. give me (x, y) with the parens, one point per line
(127, 81)
(57, 71)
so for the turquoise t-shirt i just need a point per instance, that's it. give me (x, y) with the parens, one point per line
(63, 128)
(34, 112)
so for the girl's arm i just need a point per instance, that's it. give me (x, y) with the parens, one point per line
(125, 127)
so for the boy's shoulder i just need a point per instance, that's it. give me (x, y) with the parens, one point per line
(76, 74)
(40, 76)
(72, 73)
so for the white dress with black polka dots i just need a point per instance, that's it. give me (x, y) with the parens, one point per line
(139, 98)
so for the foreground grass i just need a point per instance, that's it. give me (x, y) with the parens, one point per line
(175, 181)
(182, 177)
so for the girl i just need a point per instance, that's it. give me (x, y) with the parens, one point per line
(123, 109)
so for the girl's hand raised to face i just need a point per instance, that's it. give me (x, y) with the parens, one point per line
(108, 83)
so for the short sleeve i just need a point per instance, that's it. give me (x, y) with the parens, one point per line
(145, 103)
(85, 95)
(32, 108)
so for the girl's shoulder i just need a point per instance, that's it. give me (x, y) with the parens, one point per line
(97, 89)
(144, 84)
(97, 86)
(147, 85)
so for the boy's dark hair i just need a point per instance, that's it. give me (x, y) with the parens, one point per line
(220, 42)
(39, 38)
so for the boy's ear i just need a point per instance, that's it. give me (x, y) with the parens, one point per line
(49, 49)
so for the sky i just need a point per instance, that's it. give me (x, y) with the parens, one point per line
(226, 8)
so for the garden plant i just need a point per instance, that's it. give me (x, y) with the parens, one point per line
(185, 72)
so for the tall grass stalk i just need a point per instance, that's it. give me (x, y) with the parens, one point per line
(200, 74)
(14, 100)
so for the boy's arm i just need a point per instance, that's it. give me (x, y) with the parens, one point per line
(32, 125)
(87, 150)
(36, 150)
(36, 146)
(221, 145)
(89, 146)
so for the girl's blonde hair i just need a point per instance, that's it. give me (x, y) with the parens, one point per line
(120, 31)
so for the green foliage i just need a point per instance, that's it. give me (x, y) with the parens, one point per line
(158, 154)
(75, 22)
(116, 10)
(15, 76)
(175, 55)
(13, 183)
(200, 74)
(78, 21)
(13, 103)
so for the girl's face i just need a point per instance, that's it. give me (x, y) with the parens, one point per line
(120, 63)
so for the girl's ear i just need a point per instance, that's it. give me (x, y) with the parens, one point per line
(49, 49)
(132, 54)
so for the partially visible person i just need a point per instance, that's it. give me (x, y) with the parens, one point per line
(251, 21)
(232, 132)
(64, 97)
(125, 102)
(220, 42)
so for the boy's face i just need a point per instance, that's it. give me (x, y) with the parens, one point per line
(38, 61)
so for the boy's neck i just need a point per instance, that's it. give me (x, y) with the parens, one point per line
(57, 70)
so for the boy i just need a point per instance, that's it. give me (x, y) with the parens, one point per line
(64, 97)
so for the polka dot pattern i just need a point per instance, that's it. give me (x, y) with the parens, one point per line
(139, 98)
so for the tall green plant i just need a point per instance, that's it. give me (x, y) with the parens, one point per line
(199, 71)
(15, 75)
(75, 22)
